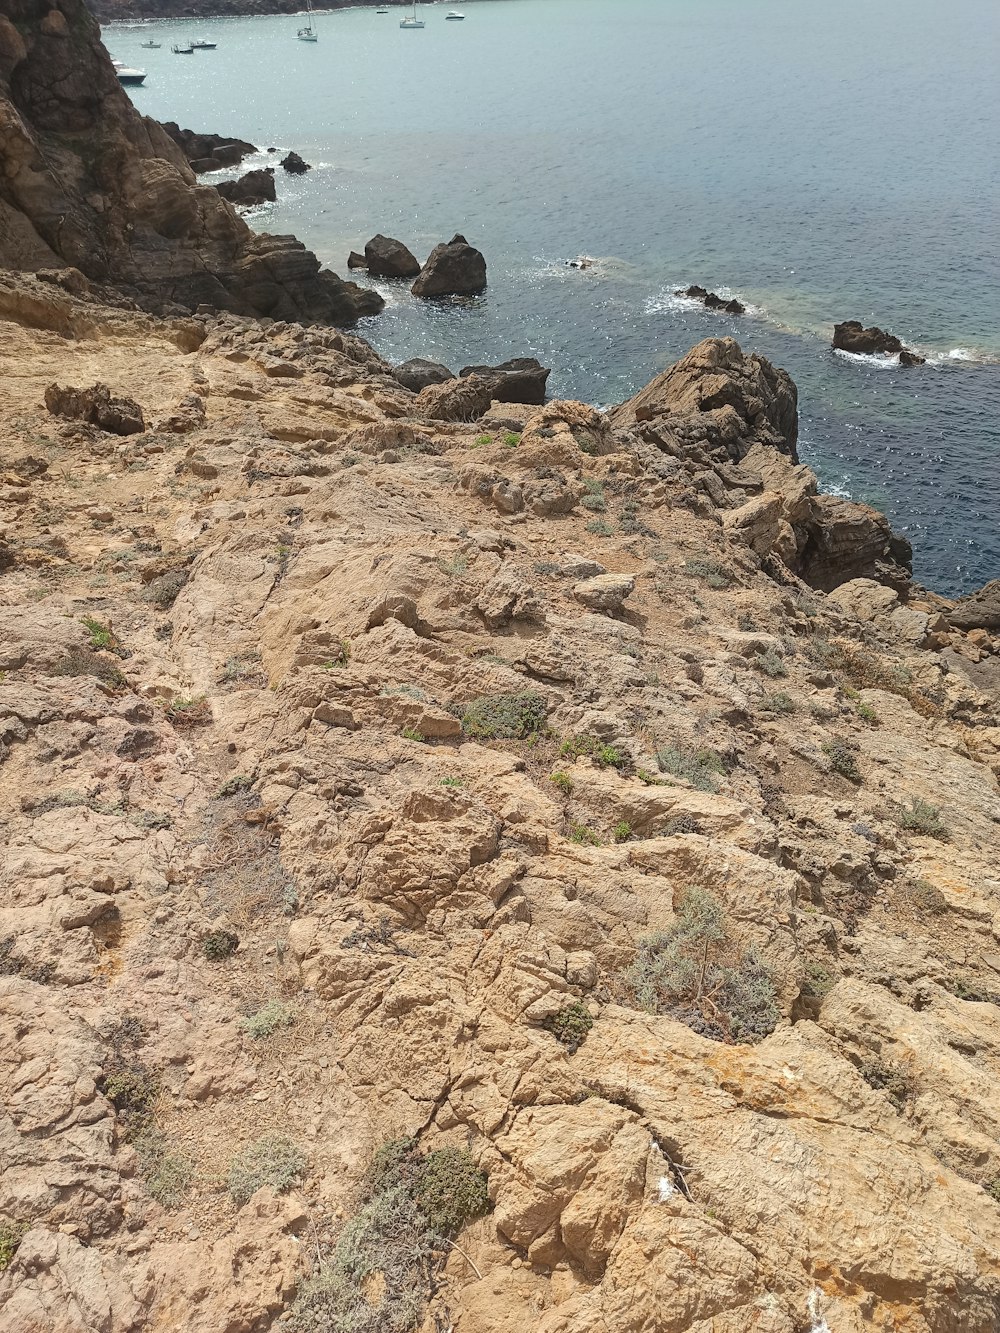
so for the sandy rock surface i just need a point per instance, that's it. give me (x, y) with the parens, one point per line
(441, 721)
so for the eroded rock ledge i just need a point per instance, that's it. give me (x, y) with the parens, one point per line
(348, 756)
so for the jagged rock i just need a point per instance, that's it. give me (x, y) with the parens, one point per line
(254, 187)
(295, 164)
(354, 260)
(978, 610)
(605, 592)
(208, 152)
(388, 258)
(852, 336)
(453, 269)
(455, 400)
(417, 374)
(521, 380)
(118, 416)
(712, 301)
(846, 540)
(747, 398)
(93, 185)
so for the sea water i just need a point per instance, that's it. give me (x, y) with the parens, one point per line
(822, 162)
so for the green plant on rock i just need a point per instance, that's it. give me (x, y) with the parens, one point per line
(412, 734)
(268, 1019)
(167, 1174)
(570, 1025)
(699, 767)
(770, 663)
(601, 752)
(220, 944)
(622, 831)
(455, 566)
(11, 1235)
(922, 817)
(696, 972)
(866, 713)
(600, 527)
(965, 989)
(928, 897)
(272, 1160)
(233, 786)
(842, 760)
(505, 717)
(450, 1190)
(887, 1078)
(510, 439)
(780, 703)
(593, 498)
(562, 782)
(714, 575)
(583, 836)
(992, 1188)
(102, 636)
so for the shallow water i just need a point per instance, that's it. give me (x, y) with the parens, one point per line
(822, 162)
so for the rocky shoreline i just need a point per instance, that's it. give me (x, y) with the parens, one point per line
(470, 861)
(117, 11)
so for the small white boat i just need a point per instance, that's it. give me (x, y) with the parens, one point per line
(411, 20)
(309, 33)
(183, 50)
(453, 16)
(204, 46)
(127, 75)
(152, 46)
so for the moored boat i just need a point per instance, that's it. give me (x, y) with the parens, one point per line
(183, 50)
(411, 20)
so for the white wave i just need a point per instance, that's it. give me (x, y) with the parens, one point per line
(674, 299)
(882, 361)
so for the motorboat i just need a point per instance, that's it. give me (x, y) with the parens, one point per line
(411, 20)
(309, 32)
(183, 50)
(204, 46)
(127, 75)
(453, 16)
(152, 46)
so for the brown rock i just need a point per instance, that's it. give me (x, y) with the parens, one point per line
(453, 269)
(255, 187)
(119, 416)
(388, 258)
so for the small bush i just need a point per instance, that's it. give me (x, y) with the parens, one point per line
(196, 712)
(887, 1078)
(562, 782)
(166, 1174)
(505, 716)
(81, 662)
(780, 703)
(867, 713)
(268, 1019)
(570, 1025)
(594, 498)
(928, 897)
(454, 784)
(818, 981)
(132, 1089)
(455, 566)
(992, 1188)
(11, 1235)
(622, 831)
(273, 1160)
(550, 568)
(412, 734)
(842, 760)
(695, 972)
(714, 574)
(680, 824)
(233, 786)
(964, 989)
(103, 637)
(922, 817)
(483, 440)
(600, 528)
(510, 438)
(163, 591)
(583, 836)
(603, 754)
(220, 944)
(450, 1190)
(699, 767)
(770, 664)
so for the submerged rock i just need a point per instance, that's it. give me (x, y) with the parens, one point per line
(712, 301)
(389, 258)
(852, 336)
(295, 164)
(454, 269)
(520, 380)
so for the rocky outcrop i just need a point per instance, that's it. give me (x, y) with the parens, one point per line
(417, 374)
(208, 152)
(520, 380)
(295, 165)
(91, 184)
(452, 269)
(251, 189)
(389, 258)
(712, 301)
(979, 610)
(853, 337)
(96, 406)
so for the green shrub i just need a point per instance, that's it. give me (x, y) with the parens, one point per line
(167, 1175)
(570, 1025)
(842, 760)
(964, 989)
(695, 972)
(562, 782)
(450, 1190)
(600, 527)
(510, 438)
(268, 1019)
(867, 713)
(680, 824)
(454, 784)
(233, 786)
(714, 574)
(272, 1160)
(505, 716)
(699, 767)
(412, 734)
(921, 817)
(220, 944)
(585, 837)
(482, 440)
(594, 498)
(622, 831)
(11, 1235)
(928, 897)
(770, 664)
(456, 566)
(818, 981)
(132, 1089)
(780, 703)
(102, 636)
(603, 754)
(163, 591)
(887, 1078)
(992, 1188)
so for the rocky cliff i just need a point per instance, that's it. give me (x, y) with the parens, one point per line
(458, 874)
(90, 183)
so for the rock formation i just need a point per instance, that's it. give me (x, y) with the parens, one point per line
(452, 269)
(208, 152)
(458, 875)
(388, 258)
(91, 184)
(250, 189)
(295, 165)
(417, 373)
(712, 301)
(979, 611)
(520, 380)
(851, 336)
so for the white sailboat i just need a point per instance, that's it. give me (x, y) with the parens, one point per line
(411, 20)
(309, 33)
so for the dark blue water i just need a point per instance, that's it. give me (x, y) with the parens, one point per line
(823, 162)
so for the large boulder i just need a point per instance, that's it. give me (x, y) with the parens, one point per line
(389, 258)
(454, 269)
(717, 389)
(416, 374)
(845, 540)
(97, 407)
(852, 336)
(254, 187)
(91, 184)
(208, 152)
(295, 164)
(455, 400)
(979, 610)
(520, 380)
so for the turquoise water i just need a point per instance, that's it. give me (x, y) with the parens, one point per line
(823, 162)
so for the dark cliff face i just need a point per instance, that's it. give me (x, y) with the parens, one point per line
(86, 181)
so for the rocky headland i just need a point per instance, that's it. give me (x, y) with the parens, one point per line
(467, 864)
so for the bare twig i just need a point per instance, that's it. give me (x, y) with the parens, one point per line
(466, 1258)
